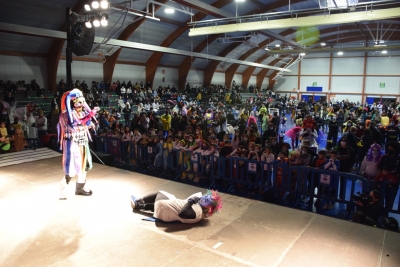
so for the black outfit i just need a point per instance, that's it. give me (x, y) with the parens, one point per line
(275, 121)
(333, 131)
(346, 156)
(372, 211)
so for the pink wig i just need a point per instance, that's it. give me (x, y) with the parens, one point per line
(216, 204)
(251, 120)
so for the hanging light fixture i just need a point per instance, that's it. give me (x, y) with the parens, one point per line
(169, 10)
(104, 4)
(88, 23)
(104, 20)
(96, 22)
(95, 5)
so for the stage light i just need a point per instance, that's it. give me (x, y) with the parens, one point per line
(302, 54)
(88, 23)
(169, 10)
(104, 20)
(277, 45)
(104, 4)
(95, 5)
(240, 1)
(323, 44)
(87, 7)
(96, 22)
(340, 53)
(384, 52)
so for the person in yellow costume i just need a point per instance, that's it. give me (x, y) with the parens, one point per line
(166, 121)
(228, 99)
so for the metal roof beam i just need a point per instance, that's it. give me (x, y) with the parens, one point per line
(279, 37)
(333, 50)
(20, 29)
(351, 17)
(205, 8)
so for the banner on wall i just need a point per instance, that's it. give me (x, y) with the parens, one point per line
(314, 88)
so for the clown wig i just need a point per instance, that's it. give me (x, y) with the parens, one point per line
(370, 156)
(216, 204)
(251, 121)
(67, 103)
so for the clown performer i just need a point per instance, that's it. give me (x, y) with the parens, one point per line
(73, 130)
(167, 208)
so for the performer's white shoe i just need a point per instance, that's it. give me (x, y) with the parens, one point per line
(64, 188)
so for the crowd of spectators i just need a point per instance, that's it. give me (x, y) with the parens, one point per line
(216, 120)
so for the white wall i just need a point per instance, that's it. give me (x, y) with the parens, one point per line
(218, 78)
(252, 80)
(346, 84)
(392, 85)
(171, 77)
(265, 83)
(237, 78)
(348, 66)
(133, 73)
(17, 68)
(383, 66)
(82, 71)
(195, 77)
(315, 66)
(286, 83)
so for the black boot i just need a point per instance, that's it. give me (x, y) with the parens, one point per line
(80, 190)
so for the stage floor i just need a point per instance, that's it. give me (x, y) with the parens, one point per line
(38, 229)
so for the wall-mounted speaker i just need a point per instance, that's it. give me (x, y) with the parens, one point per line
(82, 39)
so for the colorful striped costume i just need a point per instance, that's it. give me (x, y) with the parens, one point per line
(74, 139)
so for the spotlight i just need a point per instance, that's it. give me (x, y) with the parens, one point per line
(88, 23)
(266, 48)
(302, 54)
(95, 5)
(323, 44)
(104, 20)
(239, 1)
(104, 4)
(87, 7)
(383, 52)
(96, 22)
(340, 53)
(169, 10)
(277, 45)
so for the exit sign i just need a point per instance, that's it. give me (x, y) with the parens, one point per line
(382, 85)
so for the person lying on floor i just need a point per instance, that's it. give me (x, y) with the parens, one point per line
(166, 207)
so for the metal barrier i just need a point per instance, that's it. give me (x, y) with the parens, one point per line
(235, 175)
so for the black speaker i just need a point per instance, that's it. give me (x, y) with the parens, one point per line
(82, 39)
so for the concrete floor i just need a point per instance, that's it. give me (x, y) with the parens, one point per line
(38, 229)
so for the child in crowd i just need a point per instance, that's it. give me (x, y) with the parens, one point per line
(317, 163)
(331, 164)
(386, 176)
(19, 139)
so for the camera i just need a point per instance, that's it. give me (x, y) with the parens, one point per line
(363, 198)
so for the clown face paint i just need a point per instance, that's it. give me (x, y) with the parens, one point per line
(205, 201)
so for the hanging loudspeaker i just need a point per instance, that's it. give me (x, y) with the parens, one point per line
(82, 39)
